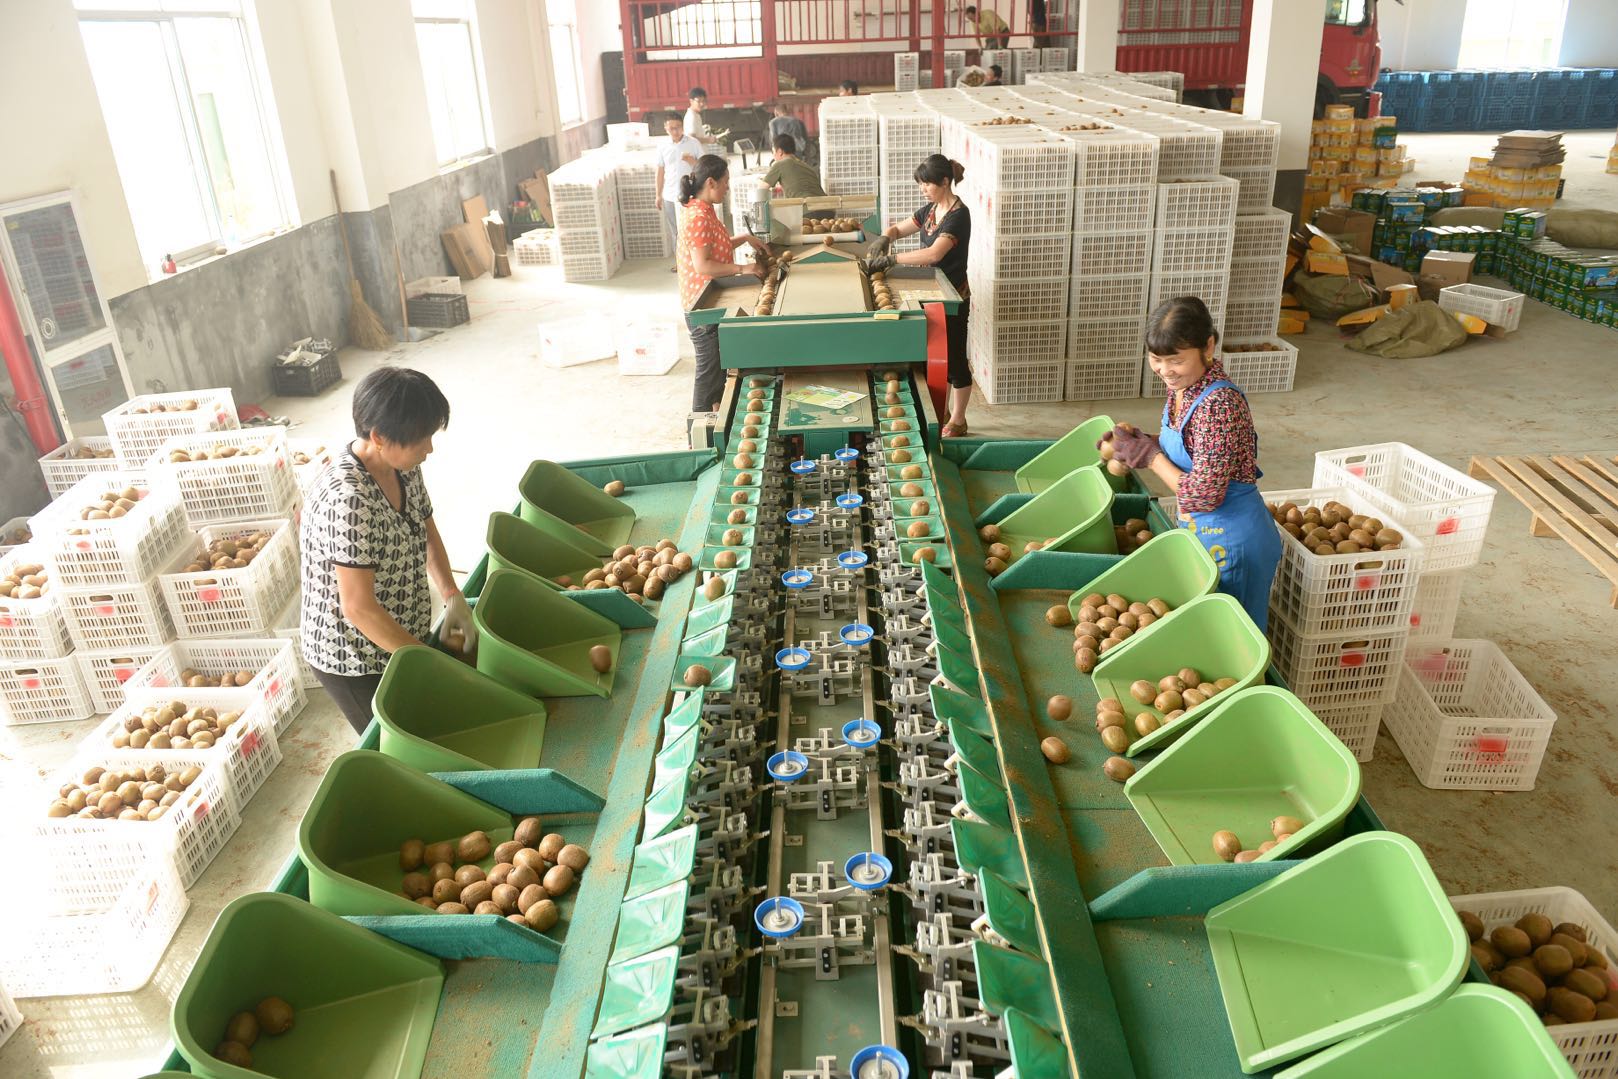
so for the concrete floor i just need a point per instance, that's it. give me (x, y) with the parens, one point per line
(1536, 391)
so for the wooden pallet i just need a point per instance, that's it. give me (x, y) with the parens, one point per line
(1574, 498)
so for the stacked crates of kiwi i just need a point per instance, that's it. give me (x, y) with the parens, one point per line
(584, 201)
(908, 134)
(848, 146)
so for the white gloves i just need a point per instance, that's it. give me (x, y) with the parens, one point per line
(458, 629)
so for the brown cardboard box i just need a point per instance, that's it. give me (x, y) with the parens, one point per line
(1357, 226)
(1387, 277)
(1441, 269)
(1328, 262)
(1400, 295)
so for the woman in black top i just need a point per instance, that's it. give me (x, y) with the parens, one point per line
(945, 226)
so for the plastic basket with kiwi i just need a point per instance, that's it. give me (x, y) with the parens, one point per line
(173, 725)
(26, 580)
(1334, 528)
(272, 1016)
(1172, 695)
(1551, 966)
(531, 871)
(642, 573)
(1104, 623)
(131, 794)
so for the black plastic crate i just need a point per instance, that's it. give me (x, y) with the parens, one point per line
(305, 379)
(437, 310)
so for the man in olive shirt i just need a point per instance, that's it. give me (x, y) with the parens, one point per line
(797, 180)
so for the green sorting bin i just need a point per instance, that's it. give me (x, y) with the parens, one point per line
(1212, 634)
(1074, 514)
(436, 714)
(1352, 939)
(1478, 1030)
(534, 639)
(1076, 449)
(363, 1006)
(1174, 567)
(1258, 754)
(560, 502)
(515, 544)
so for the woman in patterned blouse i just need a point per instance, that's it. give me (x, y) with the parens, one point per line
(706, 251)
(1207, 453)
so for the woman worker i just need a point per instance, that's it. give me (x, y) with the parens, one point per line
(1207, 453)
(705, 252)
(370, 545)
(945, 225)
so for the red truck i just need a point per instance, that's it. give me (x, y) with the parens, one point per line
(747, 53)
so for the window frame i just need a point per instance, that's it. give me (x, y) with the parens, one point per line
(469, 22)
(1364, 19)
(185, 106)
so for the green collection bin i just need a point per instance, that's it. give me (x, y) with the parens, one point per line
(1174, 567)
(436, 714)
(363, 1005)
(941, 555)
(559, 501)
(515, 544)
(1257, 755)
(634, 1054)
(534, 639)
(1076, 449)
(1352, 939)
(1212, 634)
(1477, 1031)
(1074, 513)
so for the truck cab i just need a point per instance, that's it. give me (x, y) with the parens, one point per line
(1350, 55)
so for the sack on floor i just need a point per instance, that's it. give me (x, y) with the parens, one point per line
(1420, 329)
(1583, 228)
(1331, 295)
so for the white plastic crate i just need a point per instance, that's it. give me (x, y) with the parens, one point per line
(1250, 144)
(14, 533)
(1024, 211)
(1209, 287)
(1000, 342)
(1024, 62)
(117, 615)
(1256, 188)
(1336, 671)
(1437, 602)
(1267, 370)
(1590, 1048)
(1107, 296)
(1252, 318)
(1329, 595)
(1446, 509)
(272, 662)
(1186, 150)
(1258, 279)
(1112, 252)
(136, 432)
(1005, 256)
(31, 628)
(287, 628)
(58, 944)
(582, 214)
(113, 550)
(1496, 306)
(1010, 384)
(1020, 299)
(243, 487)
(1113, 209)
(536, 247)
(1092, 340)
(195, 829)
(1467, 720)
(848, 162)
(1102, 380)
(647, 245)
(575, 340)
(1018, 157)
(1204, 202)
(1355, 725)
(63, 467)
(106, 672)
(1261, 235)
(43, 691)
(236, 602)
(906, 62)
(309, 459)
(1191, 250)
(10, 1017)
(1055, 58)
(647, 348)
(249, 750)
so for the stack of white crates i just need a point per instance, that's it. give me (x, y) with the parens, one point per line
(906, 66)
(848, 146)
(1019, 187)
(1055, 58)
(640, 212)
(908, 132)
(1257, 265)
(1024, 63)
(996, 57)
(1195, 224)
(954, 64)
(584, 200)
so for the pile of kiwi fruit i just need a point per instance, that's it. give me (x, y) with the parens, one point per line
(16, 537)
(191, 678)
(1132, 535)
(188, 405)
(1262, 346)
(1334, 528)
(1551, 966)
(300, 457)
(25, 580)
(111, 505)
(1108, 451)
(881, 294)
(219, 452)
(1004, 121)
(272, 1016)
(766, 295)
(814, 226)
(1172, 696)
(174, 725)
(229, 552)
(642, 573)
(1228, 845)
(1104, 623)
(531, 871)
(88, 453)
(137, 794)
(998, 556)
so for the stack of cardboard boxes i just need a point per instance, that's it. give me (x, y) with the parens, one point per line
(1583, 285)
(1346, 154)
(1525, 172)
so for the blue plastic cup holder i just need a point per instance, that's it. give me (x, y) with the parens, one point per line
(800, 516)
(861, 733)
(778, 917)
(787, 765)
(848, 453)
(850, 501)
(853, 559)
(868, 871)
(792, 659)
(802, 466)
(857, 634)
(797, 578)
(879, 1062)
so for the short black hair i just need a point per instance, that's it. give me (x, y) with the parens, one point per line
(677, 117)
(850, 85)
(970, 10)
(786, 144)
(402, 405)
(994, 69)
(696, 92)
(1179, 323)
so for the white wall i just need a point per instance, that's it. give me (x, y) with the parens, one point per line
(1590, 36)
(1421, 35)
(598, 33)
(520, 110)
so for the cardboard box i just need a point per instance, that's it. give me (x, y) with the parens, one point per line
(1400, 295)
(1356, 225)
(1332, 262)
(1454, 267)
(1387, 277)
(1365, 316)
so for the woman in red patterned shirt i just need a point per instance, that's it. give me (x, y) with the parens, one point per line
(1207, 453)
(705, 252)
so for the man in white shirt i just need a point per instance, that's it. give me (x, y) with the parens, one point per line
(694, 125)
(676, 159)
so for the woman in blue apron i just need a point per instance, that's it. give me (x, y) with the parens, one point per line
(1207, 453)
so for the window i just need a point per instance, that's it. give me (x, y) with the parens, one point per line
(1512, 33)
(1346, 12)
(565, 61)
(449, 63)
(188, 122)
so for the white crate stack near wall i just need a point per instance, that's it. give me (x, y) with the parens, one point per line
(1195, 221)
(906, 69)
(1248, 153)
(954, 64)
(988, 58)
(75, 459)
(1024, 62)
(848, 146)
(1257, 267)
(907, 132)
(640, 211)
(589, 236)
(1019, 185)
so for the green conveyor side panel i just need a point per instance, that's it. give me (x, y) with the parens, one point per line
(819, 342)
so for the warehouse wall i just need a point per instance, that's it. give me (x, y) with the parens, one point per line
(1590, 35)
(1421, 35)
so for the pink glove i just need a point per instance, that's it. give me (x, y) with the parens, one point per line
(1134, 448)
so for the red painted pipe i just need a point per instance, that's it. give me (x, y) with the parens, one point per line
(32, 400)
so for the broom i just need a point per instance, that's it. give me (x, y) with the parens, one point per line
(365, 329)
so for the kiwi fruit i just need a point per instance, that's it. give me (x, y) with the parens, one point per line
(242, 1029)
(714, 588)
(1523, 981)
(447, 890)
(989, 533)
(1142, 690)
(1575, 947)
(994, 566)
(1583, 981)
(1227, 845)
(574, 857)
(411, 853)
(234, 1053)
(473, 847)
(1284, 825)
(528, 831)
(477, 892)
(615, 488)
(1059, 708)
(1146, 723)
(924, 554)
(1058, 616)
(1571, 929)
(1110, 719)
(468, 874)
(504, 897)
(453, 908)
(1552, 960)
(521, 876)
(415, 885)
(542, 915)
(558, 880)
(1570, 1006)
(550, 847)
(1484, 956)
(274, 1015)
(438, 852)
(1116, 739)
(1118, 769)
(914, 472)
(1000, 551)
(507, 851)
(725, 560)
(1055, 750)
(1511, 941)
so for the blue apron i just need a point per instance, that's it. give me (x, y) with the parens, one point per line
(1240, 534)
